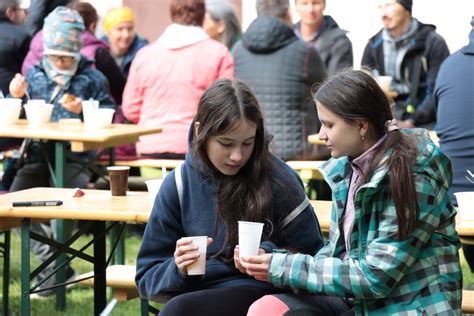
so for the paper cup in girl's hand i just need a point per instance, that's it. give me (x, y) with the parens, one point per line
(465, 205)
(250, 234)
(199, 267)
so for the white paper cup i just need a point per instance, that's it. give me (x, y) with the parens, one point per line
(10, 109)
(465, 205)
(199, 267)
(153, 187)
(249, 238)
(97, 118)
(38, 113)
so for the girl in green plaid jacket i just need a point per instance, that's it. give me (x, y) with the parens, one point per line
(393, 247)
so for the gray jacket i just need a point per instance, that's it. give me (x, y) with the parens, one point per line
(332, 44)
(281, 69)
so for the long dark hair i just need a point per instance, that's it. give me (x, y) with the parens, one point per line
(355, 95)
(246, 195)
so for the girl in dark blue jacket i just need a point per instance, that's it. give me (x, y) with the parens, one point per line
(228, 175)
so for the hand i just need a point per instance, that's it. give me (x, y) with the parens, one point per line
(406, 124)
(237, 263)
(257, 266)
(18, 86)
(73, 106)
(186, 253)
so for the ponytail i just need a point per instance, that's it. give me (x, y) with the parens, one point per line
(400, 176)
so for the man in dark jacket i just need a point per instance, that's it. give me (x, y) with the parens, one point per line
(38, 11)
(411, 53)
(281, 70)
(454, 96)
(322, 31)
(14, 41)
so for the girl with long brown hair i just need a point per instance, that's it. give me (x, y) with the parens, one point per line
(393, 247)
(228, 175)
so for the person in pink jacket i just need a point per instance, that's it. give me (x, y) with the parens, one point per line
(168, 77)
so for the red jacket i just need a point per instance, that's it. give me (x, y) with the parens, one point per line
(166, 81)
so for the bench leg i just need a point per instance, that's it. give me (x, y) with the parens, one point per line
(144, 307)
(6, 271)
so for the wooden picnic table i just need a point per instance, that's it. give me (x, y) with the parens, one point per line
(98, 206)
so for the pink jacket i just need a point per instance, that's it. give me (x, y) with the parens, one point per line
(166, 81)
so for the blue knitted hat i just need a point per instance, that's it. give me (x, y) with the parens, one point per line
(62, 32)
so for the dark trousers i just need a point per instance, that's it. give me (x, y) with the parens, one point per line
(234, 301)
(316, 305)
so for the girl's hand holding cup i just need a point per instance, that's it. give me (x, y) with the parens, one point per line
(18, 86)
(237, 262)
(187, 253)
(257, 266)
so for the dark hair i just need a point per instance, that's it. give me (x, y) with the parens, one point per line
(246, 195)
(5, 4)
(86, 11)
(223, 11)
(273, 8)
(355, 95)
(187, 12)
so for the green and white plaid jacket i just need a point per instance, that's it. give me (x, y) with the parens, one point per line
(417, 276)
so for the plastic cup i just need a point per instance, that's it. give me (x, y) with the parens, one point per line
(153, 187)
(199, 267)
(38, 112)
(97, 118)
(10, 109)
(249, 238)
(465, 205)
(118, 176)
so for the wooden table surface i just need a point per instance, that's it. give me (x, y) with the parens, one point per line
(81, 139)
(314, 139)
(135, 207)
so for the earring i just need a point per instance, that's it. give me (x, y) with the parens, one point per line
(362, 137)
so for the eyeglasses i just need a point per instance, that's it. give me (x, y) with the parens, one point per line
(62, 59)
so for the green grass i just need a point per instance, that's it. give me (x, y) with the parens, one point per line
(80, 299)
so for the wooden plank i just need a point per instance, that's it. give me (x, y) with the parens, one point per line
(150, 163)
(94, 205)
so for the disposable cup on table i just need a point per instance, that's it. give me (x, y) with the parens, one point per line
(38, 112)
(153, 187)
(465, 205)
(250, 234)
(10, 109)
(118, 176)
(199, 267)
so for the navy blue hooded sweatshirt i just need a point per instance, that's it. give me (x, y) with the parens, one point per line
(157, 273)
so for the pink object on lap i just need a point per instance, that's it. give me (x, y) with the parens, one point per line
(266, 306)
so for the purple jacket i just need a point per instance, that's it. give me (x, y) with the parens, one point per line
(90, 44)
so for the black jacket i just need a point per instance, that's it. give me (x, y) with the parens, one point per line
(14, 44)
(427, 48)
(38, 11)
(281, 70)
(332, 45)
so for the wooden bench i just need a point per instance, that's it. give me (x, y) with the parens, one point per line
(150, 163)
(308, 169)
(121, 279)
